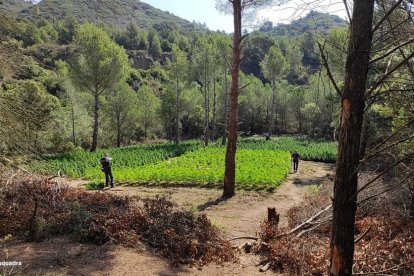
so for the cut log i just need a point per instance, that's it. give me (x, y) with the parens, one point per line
(272, 216)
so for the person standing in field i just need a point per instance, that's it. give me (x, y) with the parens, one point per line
(295, 161)
(106, 168)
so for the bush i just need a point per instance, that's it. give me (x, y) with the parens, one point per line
(36, 208)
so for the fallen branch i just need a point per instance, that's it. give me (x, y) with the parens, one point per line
(363, 235)
(304, 224)
(244, 237)
(316, 224)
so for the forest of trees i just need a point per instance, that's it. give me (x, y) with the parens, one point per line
(161, 83)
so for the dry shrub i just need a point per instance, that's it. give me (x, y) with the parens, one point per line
(36, 208)
(387, 248)
(307, 255)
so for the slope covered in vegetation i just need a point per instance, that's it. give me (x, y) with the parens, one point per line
(117, 13)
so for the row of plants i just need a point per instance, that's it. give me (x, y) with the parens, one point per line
(309, 149)
(75, 163)
(255, 168)
(260, 163)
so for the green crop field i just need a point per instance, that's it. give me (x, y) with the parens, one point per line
(75, 163)
(259, 163)
(255, 168)
(311, 150)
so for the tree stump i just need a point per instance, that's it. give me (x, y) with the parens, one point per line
(272, 216)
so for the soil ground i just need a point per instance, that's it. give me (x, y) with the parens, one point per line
(238, 216)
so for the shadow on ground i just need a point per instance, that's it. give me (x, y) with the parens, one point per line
(211, 203)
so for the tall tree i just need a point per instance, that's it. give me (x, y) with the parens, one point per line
(154, 42)
(178, 76)
(99, 65)
(224, 55)
(204, 67)
(120, 108)
(274, 66)
(70, 95)
(149, 112)
(353, 104)
(237, 7)
(132, 34)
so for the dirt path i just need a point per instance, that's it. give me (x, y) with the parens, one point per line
(238, 216)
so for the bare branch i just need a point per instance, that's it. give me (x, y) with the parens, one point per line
(325, 63)
(385, 76)
(386, 16)
(244, 86)
(366, 185)
(306, 223)
(389, 189)
(392, 51)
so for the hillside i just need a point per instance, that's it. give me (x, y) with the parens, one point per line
(121, 12)
(313, 21)
(109, 12)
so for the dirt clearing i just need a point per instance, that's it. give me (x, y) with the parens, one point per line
(238, 216)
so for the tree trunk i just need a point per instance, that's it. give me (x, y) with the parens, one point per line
(225, 113)
(118, 130)
(364, 136)
(73, 126)
(206, 107)
(230, 170)
(177, 117)
(346, 178)
(213, 132)
(272, 111)
(95, 123)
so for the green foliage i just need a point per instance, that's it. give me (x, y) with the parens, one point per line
(260, 164)
(256, 46)
(178, 75)
(77, 163)
(311, 114)
(148, 112)
(117, 13)
(100, 63)
(309, 149)
(337, 51)
(121, 114)
(256, 169)
(95, 185)
(154, 44)
(313, 21)
(274, 65)
(26, 109)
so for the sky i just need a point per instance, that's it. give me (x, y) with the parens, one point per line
(204, 11)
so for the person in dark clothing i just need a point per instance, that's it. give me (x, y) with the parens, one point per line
(106, 168)
(295, 161)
